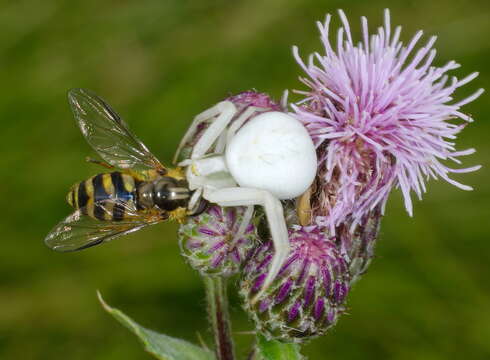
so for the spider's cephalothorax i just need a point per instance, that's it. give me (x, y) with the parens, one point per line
(250, 155)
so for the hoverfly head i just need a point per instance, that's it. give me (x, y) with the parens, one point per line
(170, 193)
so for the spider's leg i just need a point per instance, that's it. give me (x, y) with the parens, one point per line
(226, 112)
(225, 138)
(247, 217)
(219, 148)
(239, 196)
(210, 171)
(237, 124)
(194, 201)
(204, 116)
(284, 100)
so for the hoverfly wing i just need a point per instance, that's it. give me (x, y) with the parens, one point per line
(108, 134)
(79, 231)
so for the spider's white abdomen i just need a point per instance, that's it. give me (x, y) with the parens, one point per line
(273, 152)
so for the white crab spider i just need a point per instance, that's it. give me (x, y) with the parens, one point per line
(268, 159)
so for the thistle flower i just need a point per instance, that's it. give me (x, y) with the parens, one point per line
(212, 242)
(381, 116)
(308, 294)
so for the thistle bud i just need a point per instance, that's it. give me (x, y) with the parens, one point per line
(308, 294)
(357, 245)
(211, 243)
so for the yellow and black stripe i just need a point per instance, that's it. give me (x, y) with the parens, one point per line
(90, 196)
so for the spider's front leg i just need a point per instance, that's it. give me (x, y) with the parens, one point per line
(241, 196)
(222, 113)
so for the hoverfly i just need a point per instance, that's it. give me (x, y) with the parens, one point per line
(139, 191)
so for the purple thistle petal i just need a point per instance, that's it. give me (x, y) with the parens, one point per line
(230, 218)
(195, 244)
(319, 309)
(235, 256)
(250, 228)
(304, 270)
(258, 283)
(331, 315)
(217, 259)
(207, 231)
(215, 211)
(309, 290)
(327, 280)
(283, 292)
(339, 292)
(264, 305)
(287, 264)
(216, 246)
(264, 263)
(294, 311)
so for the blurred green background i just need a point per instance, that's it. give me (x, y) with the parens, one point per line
(427, 294)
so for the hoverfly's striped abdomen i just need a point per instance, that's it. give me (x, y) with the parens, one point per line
(91, 195)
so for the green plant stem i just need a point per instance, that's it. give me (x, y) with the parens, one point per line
(219, 317)
(253, 354)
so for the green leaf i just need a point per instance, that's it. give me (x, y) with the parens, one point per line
(161, 346)
(276, 350)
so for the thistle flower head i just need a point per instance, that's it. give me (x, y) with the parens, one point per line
(254, 98)
(212, 242)
(381, 116)
(308, 294)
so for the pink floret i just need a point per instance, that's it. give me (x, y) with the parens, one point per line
(381, 116)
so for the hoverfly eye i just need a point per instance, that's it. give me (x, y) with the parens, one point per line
(168, 195)
(163, 200)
